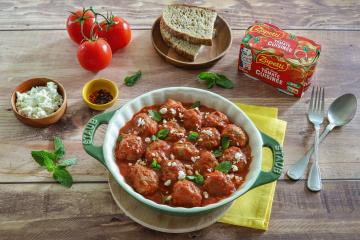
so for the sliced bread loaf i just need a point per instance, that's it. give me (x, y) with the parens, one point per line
(190, 23)
(182, 47)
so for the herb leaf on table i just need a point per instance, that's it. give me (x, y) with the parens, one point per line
(49, 160)
(212, 79)
(131, 80)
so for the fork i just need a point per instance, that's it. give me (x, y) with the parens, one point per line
(316, 116)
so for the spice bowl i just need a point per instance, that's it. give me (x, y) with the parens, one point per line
(94, 86)
(39, 122)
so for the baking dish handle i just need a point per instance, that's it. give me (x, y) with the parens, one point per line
(278, 162)
(89, 132)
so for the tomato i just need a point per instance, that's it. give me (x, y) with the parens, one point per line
(94, 55)
(73, 25)
(116, 32)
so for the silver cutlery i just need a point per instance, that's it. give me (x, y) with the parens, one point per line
(341, 111)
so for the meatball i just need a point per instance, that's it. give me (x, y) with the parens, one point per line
(236, 135)
(186, 194)
(209, 138)
(206, 162)
(216, 119)
(236, 157)
(145, 126)
(158, 150)
(185, 151)
(175, 131)
(218, 184)
(130, 148)
(144, 180)
(192, 119)
(172, 170)
(172, 109)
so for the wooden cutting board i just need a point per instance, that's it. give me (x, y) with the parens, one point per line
(157, 220)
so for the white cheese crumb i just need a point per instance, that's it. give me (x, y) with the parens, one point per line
(206, 195)
(141, 162)
(238, 156)
(169, 164)
(231, 176)
(147, 140)
(197, 172)
(181, 115)
(130, 164)
(163, 110)
(167, 198)
(39, 102)
(167, 183)
(172, 111)
(181, 175)
(238, 178)
(234, 168)
(172, 157)
(188, 166)
(173, 130)
(140, 122)
(208, 132)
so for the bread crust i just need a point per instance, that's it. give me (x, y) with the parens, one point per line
(184, 36)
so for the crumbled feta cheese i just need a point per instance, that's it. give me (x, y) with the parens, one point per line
(238, 156)
(169, 164)
(181, 115)
(206, 195)
(195, 158)
(167, 198)
(167, 183)
(231, 176)
(173, 164)
(238, 178)
(172, 157)
(147, 140)
(188, 166)
(39, 102)
(172, 111)
(164, 121)
(140, 122)
(173, 130)
(197, 108)
(130, 164)
(208, 169)
(163, 110)
(208, 132)
(141, 162)
(234, 168)
(181, 175)
(197, 172)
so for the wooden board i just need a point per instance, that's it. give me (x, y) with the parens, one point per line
(308, 14)
(87, 211)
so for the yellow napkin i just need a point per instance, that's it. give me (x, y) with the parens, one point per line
(253, 209)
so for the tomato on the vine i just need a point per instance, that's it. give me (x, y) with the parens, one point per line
(116, 31)
(73, 24)
(94, 54)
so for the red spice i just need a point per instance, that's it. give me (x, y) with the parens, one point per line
(100, 97)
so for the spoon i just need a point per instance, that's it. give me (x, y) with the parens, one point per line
(340, 112)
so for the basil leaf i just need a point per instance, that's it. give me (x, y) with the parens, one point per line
(217, 153)
(119, 138)
(224, 82)
(193, 136)
(131, 80)
(40, 156)
(195, 104)
(154, 138)
(198, 179)
(68, 162)
(49, 164)
(225, 142)
(224, 167)
(155, 165)
(155, 115)
(62, 176)
(209, 78)
(59, 147)
(162, 134)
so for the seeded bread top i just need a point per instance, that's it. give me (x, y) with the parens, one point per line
(194, 21)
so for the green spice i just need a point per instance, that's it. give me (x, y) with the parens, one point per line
(155, 115)
(198, 179)
(195, 104)
(50, 160)
(212, 78)
(225, 142)
(193, 136)
(119, 138)
(217, 152)
(131, 80)
(224, 167)
(155, 165)
(162, 134)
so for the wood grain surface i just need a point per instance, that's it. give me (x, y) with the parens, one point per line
(34, 43)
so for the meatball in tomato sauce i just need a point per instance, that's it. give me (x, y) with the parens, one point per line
(186, 194)
(172, 110)
(159, 150)
(216, 119)
(206, 163)
(175, 131)
(236, 135)
(218, 184)
(130, 148)
(192, 119)
(236, 157)
(209, 138)
(144, 180)
(185, 151)
(171, 171)
(145, 126)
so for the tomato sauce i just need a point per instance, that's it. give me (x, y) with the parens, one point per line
(163, 192)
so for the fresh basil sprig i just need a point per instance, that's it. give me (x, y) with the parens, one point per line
(195, 104)
(131, 80)
(198, 179)
(51, 161)
(162, 134)
(155, 115)
(217, 152)
(155, 165)
(212, 79)
(225, 142)
(224, 167)
(193, 136)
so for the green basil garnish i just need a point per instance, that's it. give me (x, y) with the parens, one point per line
(217, 152)
(195, 104)
(119, 138)
(155, 115)
(193, 136)
(155, 165)
(225, 142)
(224, 167)
(162, 134)
(198, 179)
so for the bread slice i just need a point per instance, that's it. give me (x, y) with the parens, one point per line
(182, 47)
(190, 23)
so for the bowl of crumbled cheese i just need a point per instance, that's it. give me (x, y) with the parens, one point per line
(39, 102)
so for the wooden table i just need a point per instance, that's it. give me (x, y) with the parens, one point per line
(33, 42)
